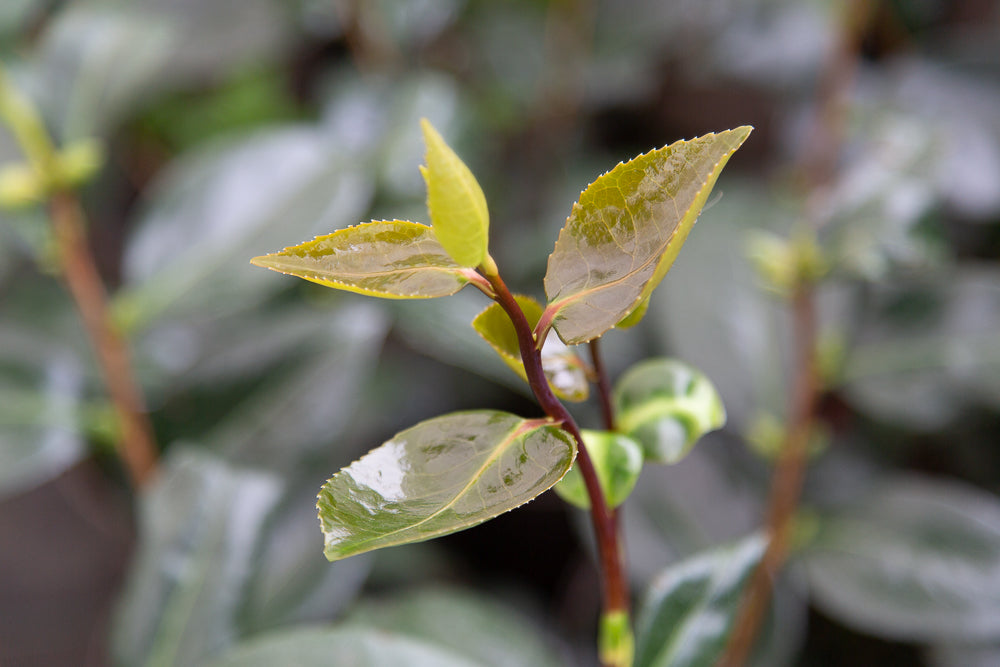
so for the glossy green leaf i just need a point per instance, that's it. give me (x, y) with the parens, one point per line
(439, 477)
(618, 461)
(393, 259)
(356, 646)
(565, 371)
(690, 608)
(917, 560)
(455, 201)
(625, 232)
(667, 406)
(476, 626)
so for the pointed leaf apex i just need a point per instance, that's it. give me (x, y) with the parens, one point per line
(455, 201)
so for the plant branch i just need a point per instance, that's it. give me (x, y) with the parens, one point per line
(603, 386)
(136, 446)
(788, 480)
(819, 166)
(51, 180)
(614, 584)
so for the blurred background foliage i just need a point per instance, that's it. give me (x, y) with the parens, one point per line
(233, 128)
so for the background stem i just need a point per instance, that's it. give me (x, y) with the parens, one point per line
(137, 447)
(786, 489)
(603, 386)
(819, 167)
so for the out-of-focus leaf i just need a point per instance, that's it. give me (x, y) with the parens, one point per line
(625, 232)
(926, 350)
(952, 117)
(441, 476)
(238, 202)
(728, 327)
(307, 408)
(357, 646)
(882, 199)
(440, 329)
(47, 384)
(565, 371)
(473, 626)
(667, 406)
(97, 62)
(456, 203)
(292, 583)
(214, 38)
(391, 259)
(40, 422)
(690, 608)
(680, 510)
(243, 102)
(199, 525)
(617, 459)
(918, 560)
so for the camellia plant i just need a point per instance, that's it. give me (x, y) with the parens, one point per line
(459, 470)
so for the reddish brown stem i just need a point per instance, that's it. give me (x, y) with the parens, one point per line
(136, 445)
(819, 165)
(614, 584)
(789, 476)
(603, 386)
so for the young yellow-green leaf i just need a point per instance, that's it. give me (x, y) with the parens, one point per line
(667, 406)
(565, 371)
(393, 259)
(618, 461)
(455, 201)
(441, 476)
(625, 232)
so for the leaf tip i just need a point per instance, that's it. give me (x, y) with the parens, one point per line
(263, 261)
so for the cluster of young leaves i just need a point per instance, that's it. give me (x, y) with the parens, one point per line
(456, 471)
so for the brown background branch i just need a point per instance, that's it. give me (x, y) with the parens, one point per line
(137, 446)
(819, 164)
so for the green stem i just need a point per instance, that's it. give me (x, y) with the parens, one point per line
(614, 585)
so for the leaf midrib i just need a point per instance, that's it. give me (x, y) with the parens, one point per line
(524, 427)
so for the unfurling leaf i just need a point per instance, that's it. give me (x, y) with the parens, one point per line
(565, 371)
(667, 406)
(441, 476)
(625, 232)
(455, 201)
(393, 259)
(617, 459)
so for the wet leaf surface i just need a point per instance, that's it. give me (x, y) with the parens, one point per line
(441, 476)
